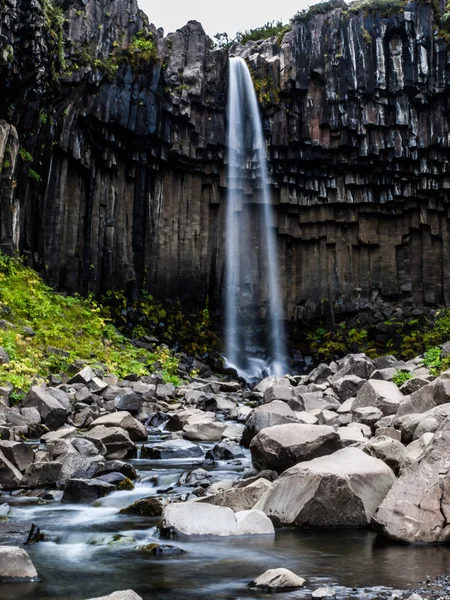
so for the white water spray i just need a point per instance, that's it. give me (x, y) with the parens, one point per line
(245, 147)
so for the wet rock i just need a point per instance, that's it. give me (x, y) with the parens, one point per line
(118, 480)
(146, 507)
(275, 580)
(195, 519)
(283, 446)
(204, 429)
(224, 451)
(85, 491)
(172, 449)
(122, 595)
(324, 592)
(13, 533)
(162, 549)
(16, 565)
(340, 490)
(123, 419)
(416, 508)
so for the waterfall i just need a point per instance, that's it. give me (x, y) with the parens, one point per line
(247, 157)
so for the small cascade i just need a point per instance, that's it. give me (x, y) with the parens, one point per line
(248, 252)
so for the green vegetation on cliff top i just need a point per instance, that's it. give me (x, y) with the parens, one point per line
(45, 332)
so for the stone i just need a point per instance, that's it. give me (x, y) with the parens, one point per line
(225, 451)
(339, 490)
(431, 420)
(380, 394)
(16, 565)
(367, 415)
(10, 476)
(13, 533)
(219, 404)
(19, 454)
(195, 519)
(204, 429)
(273, 413)
(347, 386)
(354, 364)
(388, 450)
(123, 419)
(84, 376)
(387, 374)
(115, 439)
(324, 592)
(145, 507)
(162, 549)
(42, 475)
(233, 433)
(4, 358)
(283, 446)
(279, 390)
(53, 414)
(275, 580)
(85, 491)
(117, 466)
(172, 449)
(121, 595)
(131, 403)
(67, 431)
(418, 504)
(238, 499)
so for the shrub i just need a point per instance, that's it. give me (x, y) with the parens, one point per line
(400, 377)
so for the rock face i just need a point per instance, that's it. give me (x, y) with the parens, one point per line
(128, 177)
(283, 446)
(340, 490)
(417, 507)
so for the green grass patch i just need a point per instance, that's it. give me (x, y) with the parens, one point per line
(45, 332)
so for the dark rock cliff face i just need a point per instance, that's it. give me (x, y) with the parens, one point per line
(114, 171)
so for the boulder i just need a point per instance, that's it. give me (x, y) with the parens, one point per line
(10, 476)
(145, 507)
(417, 507)
(238, 499)
(122, 595)
(19, 454)
(279, 390)
(225, 451)
(275, 580)
(414, 450)
(367, 415)
(268, 415)
(195, 519)
(16, 565)
(42, 475)
(13, 533)
(340, 490)
(85, 491)
(388, 450)
(123, 419)
(53, 414)
(324, 592)
(172, 449)
(117, 466)
(116, 440)
(283, 446)
(354, 364)
(204, 429)
(84, 376)
(130, 402)
(377, 393)
(347, 387)
(431, 420)
(233, 432)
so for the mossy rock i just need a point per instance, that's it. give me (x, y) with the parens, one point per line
(125, 485)
(146, 507)
(161, 549)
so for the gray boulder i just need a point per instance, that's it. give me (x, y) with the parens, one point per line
(172, 449)
(388, 450)
(115, 439)
(340, 490)
(279, 390)
(268, 415)
(195, 519)
(380, 394)
(283, 446)
(19, 454)
(354, 364)
(53, 414)
(121, 595)
(347, 386)
(275, 580)
(10, 476)
(85, 491)
(417, 507)
(123, 419)
(242, 498)
(16, 565)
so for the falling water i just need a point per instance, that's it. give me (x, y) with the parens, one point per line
(246, 145)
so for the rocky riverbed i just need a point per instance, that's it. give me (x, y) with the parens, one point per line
(199, 490)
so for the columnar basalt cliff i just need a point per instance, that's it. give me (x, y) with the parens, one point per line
(114, 163)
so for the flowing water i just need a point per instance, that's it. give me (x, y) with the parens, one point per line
(90, 551)
(247, 158)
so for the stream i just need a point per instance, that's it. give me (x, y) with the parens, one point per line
(82, 556)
